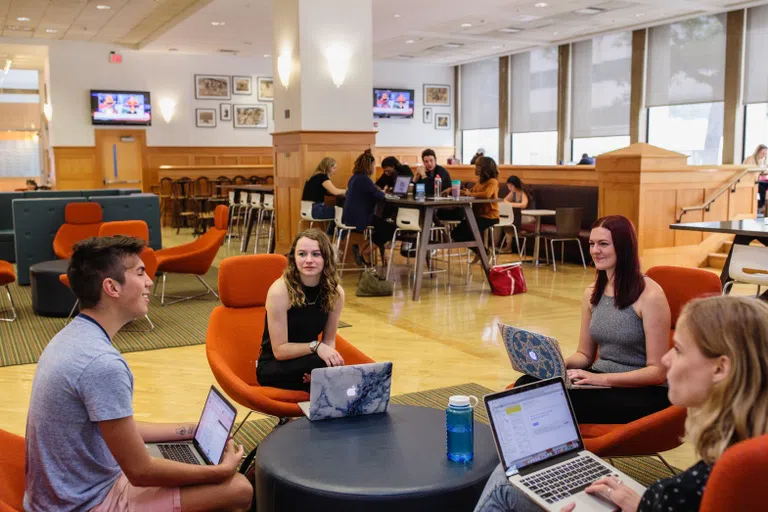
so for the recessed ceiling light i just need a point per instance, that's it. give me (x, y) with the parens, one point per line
(555, 33)
(509, 30)
(639, 15)
(397, 16)
(102, 7)
(218, 23)
(466, 25)
(497, 46)
(541, 4)
(22, 18)
(453, 45)
(267, 55)
(51, 30)
(409, 41)
(589, 10)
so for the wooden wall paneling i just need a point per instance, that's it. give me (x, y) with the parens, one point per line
(285, 194)
(76, 168)
(619, 199)
(204, 160)
(689, 197)
(741, 202)
(659, 206)
(412, 154)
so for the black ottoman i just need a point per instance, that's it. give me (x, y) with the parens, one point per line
(382, 462)
(50, 297)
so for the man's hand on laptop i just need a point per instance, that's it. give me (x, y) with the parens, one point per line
(330, 355)
(233, 455)
(612, 490)
(583, 377)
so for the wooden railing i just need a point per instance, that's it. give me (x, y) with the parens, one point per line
(730, 185)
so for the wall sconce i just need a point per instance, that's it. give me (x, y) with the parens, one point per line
(167, 108)
(48, 111)
(284, 64)
(338, 62)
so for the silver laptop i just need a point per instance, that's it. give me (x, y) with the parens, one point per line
(211, 436)
(541, 449)
(401, 186)
(353, 390)
(537, 355)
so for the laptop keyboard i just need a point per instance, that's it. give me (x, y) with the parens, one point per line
(178, 452)
(566, 479)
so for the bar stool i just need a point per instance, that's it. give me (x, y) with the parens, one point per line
(254, 204)
(267, 209)
(338, 232)
(506, 220)
(306, 215)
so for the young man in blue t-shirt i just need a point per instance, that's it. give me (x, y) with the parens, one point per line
(84, 450)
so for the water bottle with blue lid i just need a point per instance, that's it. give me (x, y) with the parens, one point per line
(460, 428)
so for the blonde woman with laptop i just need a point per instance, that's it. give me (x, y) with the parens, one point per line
(718, 369)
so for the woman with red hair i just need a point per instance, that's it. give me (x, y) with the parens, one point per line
(625, 327)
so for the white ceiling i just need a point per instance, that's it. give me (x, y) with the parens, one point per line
(402, 29)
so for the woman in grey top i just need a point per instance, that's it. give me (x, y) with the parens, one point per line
(625, 330)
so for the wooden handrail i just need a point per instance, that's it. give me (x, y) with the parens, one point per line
(722, 190)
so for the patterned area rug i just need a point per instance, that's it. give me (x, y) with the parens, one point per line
(645, 470)
(176, 325)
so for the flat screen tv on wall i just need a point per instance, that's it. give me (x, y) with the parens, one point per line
(125, 108)
(393, 103)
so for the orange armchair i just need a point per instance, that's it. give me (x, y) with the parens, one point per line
(233, 340)
(7, 276)
(195, 257)
(12, 480)
(737, 481)
(662, 430)
(81, 221)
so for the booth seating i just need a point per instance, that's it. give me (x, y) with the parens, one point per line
(7, 235)
(36, 222)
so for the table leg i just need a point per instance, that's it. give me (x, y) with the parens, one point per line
(536, 240)
(248, 229)
(470, 216)
(421, 255)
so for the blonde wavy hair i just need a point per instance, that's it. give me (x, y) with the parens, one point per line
(329, 281)
(736, 408)
(325, 166)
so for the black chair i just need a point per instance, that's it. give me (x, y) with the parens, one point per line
(567, 227)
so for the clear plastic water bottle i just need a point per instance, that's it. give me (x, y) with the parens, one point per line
(460, 428)
(438, 184)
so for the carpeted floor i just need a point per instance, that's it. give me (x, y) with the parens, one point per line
(645, 470)
(176, 325)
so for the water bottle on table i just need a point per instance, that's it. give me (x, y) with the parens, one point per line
(438, 184)
(460, 428)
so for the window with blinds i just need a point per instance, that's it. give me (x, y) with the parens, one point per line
(533, 104)
(480, 95)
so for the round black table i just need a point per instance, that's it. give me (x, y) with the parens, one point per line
(380, 462)
(50, 297)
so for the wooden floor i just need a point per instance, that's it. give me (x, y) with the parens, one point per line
(449, 337)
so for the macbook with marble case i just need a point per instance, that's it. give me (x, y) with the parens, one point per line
(354, 390)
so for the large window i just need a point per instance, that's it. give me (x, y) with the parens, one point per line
(480, 108)
(20, 155)
(694, 130)
(755, 127)
(600, 92)
(472, 140)
(533, 107)
(534, 148)
(594, 146)
(686, 70)
(756, 80)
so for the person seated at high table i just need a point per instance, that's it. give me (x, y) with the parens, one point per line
(758, 159)
(486, 214)
(392, 168)
(303, 304)
(520, 197)
(427, 174)
(717, 370)
(318, 186)
(84, 448)
(625, 317)
(360, 206)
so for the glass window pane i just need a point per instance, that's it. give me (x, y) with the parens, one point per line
(534, 148)
(533, 104)
(480, 95)
(472, 140)
(694, 130)
(20, 155)
(594, 146)
(755, 127)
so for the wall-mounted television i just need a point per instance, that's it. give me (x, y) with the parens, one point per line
(121, 108)
(393, 103)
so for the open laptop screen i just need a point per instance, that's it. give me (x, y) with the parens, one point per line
(214, 427)
(401, 185)
(533, 424)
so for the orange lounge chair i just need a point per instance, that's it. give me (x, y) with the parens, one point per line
(195, 257)
(12, 479)
(233, 340)
(7, 276)
(737, 481)
(81, 221)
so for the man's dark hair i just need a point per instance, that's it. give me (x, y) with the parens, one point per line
(390, 161)
(32, 182)
(585, 155)
(428, 152)
(96, 259)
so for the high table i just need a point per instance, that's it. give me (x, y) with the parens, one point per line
(429, 205)
(381, 462)
(537, 214)
(744, 230)
(264, 189)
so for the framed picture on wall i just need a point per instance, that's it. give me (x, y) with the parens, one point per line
(426, 115)
(242, 85)
(205, 117)
(225, 111)
(212, 87)
(442, 121)
(437, 95)
(265, 88)
(250, 116)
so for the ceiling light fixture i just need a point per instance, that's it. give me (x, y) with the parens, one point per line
(497, 46)
(509, 30)
(396, 15)
(51, 30)
(218, 23)
(589, 10)
(267, 55)
(409, 41)
(466, 25)
(541, 4)
(639, 15)
(102, 7)
(22, 18)
(453, 45)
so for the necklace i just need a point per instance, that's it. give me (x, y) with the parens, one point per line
(306, 299)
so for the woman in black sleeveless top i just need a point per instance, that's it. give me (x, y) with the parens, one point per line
(304, 303)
